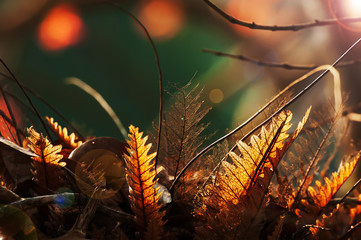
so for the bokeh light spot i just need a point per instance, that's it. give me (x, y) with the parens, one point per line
(216, 95)
(352, 8)
(346, 8)
(62, 27)
(16, 224)
(162, 18)
(64, 201)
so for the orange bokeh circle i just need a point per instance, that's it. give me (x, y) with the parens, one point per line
(62, 27)
(162, 18)
(340, 23)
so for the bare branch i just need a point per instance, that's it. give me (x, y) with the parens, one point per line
(276, 64)
(293, 27)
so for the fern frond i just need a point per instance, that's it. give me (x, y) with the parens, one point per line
(181, 135)
(324, 193)
(45, 151)
(314, 149)
(238, 196)
(247, 167)
(140, 176)
(46, 163)
(69, 140)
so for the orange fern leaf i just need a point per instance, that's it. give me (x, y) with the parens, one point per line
(70, 140)
(238, 177)
(44, 150)
(140, 176)
(325, 192)
(239, 194)
(46, 164)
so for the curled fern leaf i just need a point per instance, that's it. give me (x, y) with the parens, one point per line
(321, 197)
(69, 140)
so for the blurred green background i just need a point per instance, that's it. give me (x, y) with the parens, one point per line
(45, 42)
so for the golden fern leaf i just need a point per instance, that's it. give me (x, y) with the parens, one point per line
(140, 176)
(324, 193)
(238, 196)
(70, 140)
(45, 151)
(238, 177)
(46, 163)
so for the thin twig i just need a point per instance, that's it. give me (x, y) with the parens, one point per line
(27, 97)
(349, 191)
(259, 111)
(277, 64)
(32, 202)
(99, 98)
(349, 200)
(293, 27)
(45, 102)
(350, 231)
(160, 75)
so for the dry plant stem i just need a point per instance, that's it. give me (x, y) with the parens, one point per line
(349, 191)
(27, 97)
(348, 200)
(88, 212)
(41, 99)
(160, 74)
(276, 64)
(348, 234)
(99, 98)
(259, 111)
(28, 203)
(293, 27)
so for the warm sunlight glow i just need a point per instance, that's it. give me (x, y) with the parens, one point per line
(248, 11)
(6, 129)
(62, 27)
(163, 18)
(352, 8)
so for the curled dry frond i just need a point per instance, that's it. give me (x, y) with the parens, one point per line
(140, 174)
(70, 140)
(321, 197)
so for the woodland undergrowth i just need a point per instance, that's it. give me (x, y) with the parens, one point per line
(276, 176)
